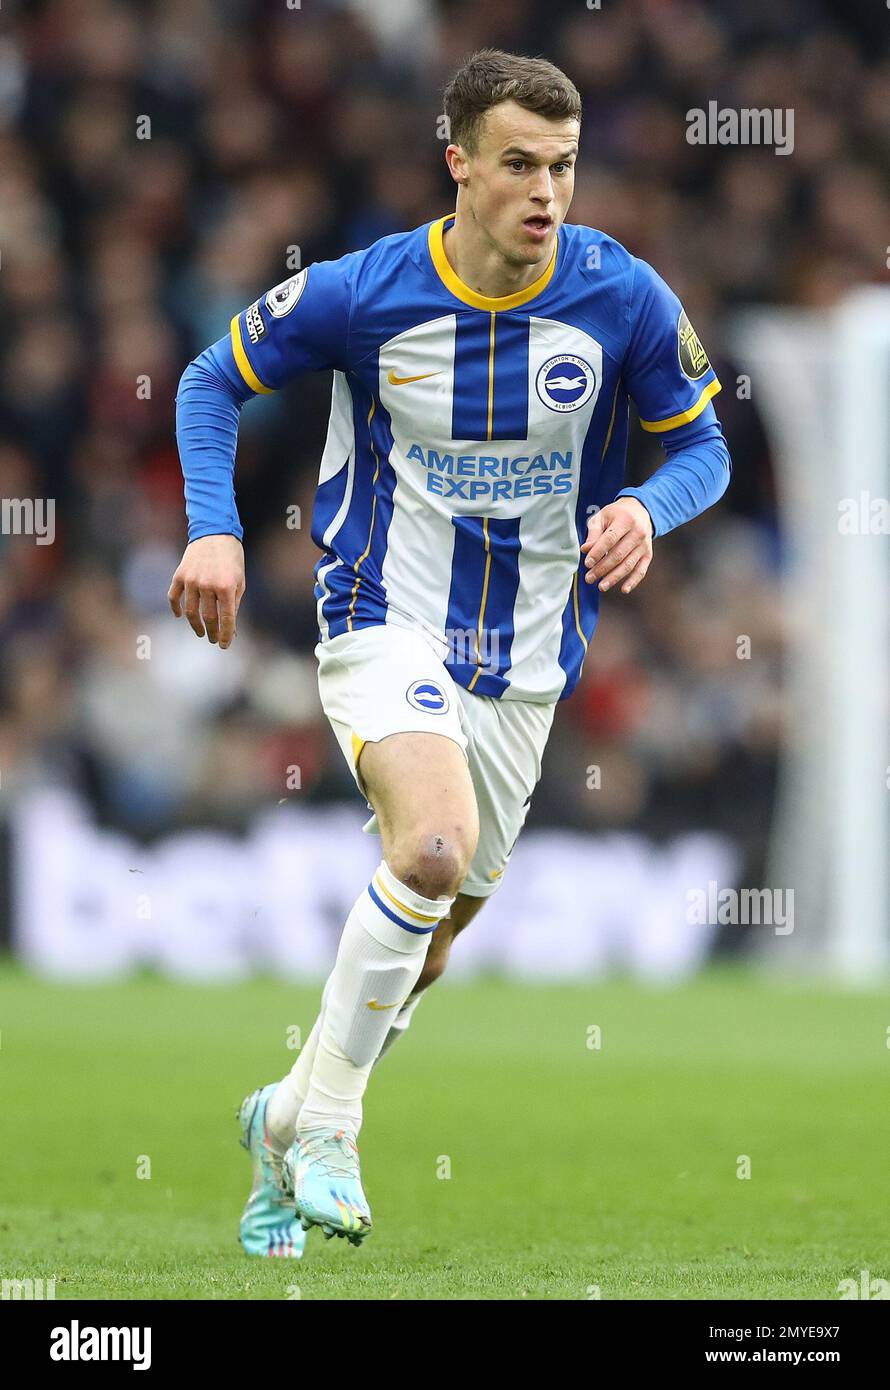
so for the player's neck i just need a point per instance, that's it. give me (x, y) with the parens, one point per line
(480, 265)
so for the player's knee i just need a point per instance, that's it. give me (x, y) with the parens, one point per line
(433, 864)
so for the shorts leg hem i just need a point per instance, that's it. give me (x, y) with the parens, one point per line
(477, 888)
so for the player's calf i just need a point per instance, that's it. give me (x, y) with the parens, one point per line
(379, 960)
(463, 910)
(378, 963)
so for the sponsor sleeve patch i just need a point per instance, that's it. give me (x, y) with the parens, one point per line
(693, 358)
(253, 317)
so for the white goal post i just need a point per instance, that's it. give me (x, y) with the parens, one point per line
(821, 381)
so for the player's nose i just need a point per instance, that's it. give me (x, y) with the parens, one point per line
(542, 191)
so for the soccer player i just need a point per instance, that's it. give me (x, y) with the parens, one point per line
(470, 510)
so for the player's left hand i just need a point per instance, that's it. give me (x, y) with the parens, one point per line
(618, 546)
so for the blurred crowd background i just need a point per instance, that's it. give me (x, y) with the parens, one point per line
(318, 128)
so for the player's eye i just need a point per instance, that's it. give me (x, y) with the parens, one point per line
(560, 168)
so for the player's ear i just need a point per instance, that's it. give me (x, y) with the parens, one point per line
(456, 159)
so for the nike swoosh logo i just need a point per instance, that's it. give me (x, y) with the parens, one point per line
(404, 380)
(372, 1004)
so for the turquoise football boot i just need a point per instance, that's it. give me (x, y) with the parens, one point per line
(321, 1168)
(269, 1225)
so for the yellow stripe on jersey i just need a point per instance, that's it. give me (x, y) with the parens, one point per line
(657, 426)
(241, 358)
(450, 278)
(367, 549)
(611, 423)
(478, 672)
(578, 627)
(577, 614)
(491, 376)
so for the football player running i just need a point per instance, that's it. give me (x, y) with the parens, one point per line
(470, 510)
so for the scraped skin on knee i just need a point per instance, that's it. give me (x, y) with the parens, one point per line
(422, 793)
(431, 864)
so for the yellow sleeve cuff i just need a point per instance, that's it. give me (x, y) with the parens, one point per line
(684, 417)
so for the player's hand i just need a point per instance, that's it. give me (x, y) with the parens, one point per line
(618, 548)
(210, 578)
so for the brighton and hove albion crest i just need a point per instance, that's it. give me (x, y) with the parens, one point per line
(427, 696)
(565, 382)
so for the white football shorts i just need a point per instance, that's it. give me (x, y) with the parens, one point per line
(390, 679)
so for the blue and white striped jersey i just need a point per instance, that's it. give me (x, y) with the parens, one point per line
(470, 438)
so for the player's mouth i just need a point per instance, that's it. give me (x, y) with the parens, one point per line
(539, 226)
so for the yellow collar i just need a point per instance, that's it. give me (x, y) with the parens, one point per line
(453, 282)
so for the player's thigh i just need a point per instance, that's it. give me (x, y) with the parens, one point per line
(506, 741)
(398, 719)
(421, 789)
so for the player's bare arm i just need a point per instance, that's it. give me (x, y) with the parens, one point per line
(208, 587)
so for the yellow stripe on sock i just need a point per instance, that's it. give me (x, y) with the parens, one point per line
(419, 916)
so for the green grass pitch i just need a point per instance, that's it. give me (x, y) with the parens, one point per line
(575, 1171)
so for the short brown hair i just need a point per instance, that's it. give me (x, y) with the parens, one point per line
(491, 76)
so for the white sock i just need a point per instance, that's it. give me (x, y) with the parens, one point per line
(286, 1102)
(381, 955)
(400, 1023)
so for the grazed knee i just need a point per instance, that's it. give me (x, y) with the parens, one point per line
(433, 863)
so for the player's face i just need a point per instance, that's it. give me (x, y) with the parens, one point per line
(520, 180)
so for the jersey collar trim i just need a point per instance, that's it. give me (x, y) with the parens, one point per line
(452, 281)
